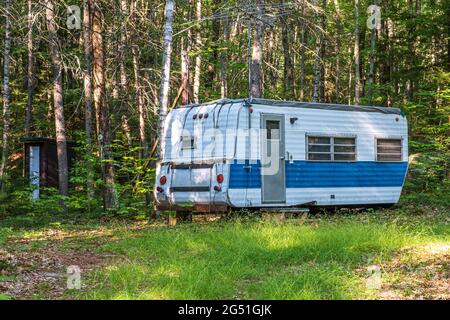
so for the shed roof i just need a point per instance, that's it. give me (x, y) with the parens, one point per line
(306, 105)
(36, 140)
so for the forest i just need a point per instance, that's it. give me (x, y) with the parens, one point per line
(99, 77)
(103, 74)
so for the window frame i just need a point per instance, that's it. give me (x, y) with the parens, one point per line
(388, 138)
(332, 144)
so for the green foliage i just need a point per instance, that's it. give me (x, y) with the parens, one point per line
(411, 72)
(429, 171)
(48, 203)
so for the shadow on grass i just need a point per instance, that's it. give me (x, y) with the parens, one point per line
(255, 260)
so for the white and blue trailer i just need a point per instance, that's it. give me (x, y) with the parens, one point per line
(263, 153)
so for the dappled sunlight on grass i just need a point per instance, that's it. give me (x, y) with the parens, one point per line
(433, 248)
(251, 260)
(320, 257)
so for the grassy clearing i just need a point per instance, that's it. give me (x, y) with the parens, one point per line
(261, 260)
(322, 257)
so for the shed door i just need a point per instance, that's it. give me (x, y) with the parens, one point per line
(35, 170)
(272, 159)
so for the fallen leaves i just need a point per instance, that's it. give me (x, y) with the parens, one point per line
(420, 272)
(42, 273)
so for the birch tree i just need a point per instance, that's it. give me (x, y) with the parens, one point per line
(165, 74)
(60, 126)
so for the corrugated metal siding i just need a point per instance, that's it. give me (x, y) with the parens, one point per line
(245, 175)
(307, 174)
(342, 196)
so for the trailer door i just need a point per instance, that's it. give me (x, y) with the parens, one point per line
(272, 159)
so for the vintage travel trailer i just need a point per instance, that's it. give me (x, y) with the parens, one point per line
(262, 153)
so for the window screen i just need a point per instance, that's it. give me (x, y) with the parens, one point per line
(344, 149)
(389, 150)
(331, 149)
(319, 148)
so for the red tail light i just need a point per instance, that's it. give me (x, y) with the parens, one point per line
(163, 180)
(220, 178)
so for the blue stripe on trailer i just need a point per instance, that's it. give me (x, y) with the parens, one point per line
(245, 175)
(307, 174)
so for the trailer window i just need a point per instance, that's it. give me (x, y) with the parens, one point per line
(331, 149)
(389, 150)
(344, 149)
(319, 148)
(273, 129)
(188, 142)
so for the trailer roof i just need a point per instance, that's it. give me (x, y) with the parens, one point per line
(306, 105)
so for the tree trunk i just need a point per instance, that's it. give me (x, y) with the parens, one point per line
(372, 65)
(224, 57)
(138, 90)
(323, 43)
(318, 62)
(6, 91)
(288, 66)
(256, 81)
(61, 144)
(30, 69)
(165, 74)
(198, 57)
(122, 46)
(350, 75)
(101, 108)
(303, 40)
(214, 41)
(339, 32)
(184, 74)
(357, 55)
(87, 82)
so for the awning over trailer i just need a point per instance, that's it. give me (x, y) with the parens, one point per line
(307, 105)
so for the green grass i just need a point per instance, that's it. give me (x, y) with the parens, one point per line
(322, 257)
(257, 259)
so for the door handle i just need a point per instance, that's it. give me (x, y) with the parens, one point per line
(282, 158)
